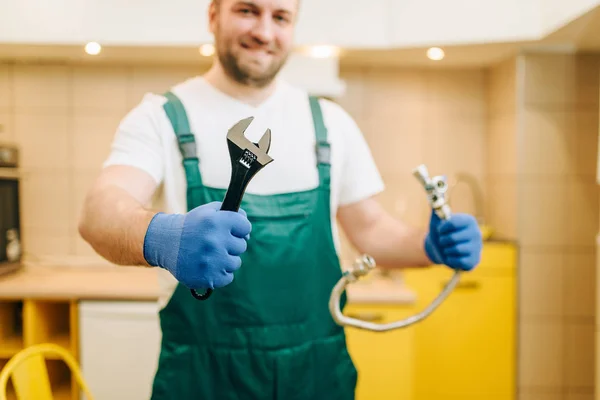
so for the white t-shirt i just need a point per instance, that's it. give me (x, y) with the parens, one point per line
(145, 139)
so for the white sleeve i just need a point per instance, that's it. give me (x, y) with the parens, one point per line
(360, 177)
(137, 141)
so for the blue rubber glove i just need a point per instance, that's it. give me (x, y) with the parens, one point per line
(201, 248)
(456, 242)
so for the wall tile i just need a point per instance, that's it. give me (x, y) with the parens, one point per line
(502, 148)
(43, 139)
(541, 353)
(451, 143)
(36, 246)
(501, 206)
(580, 285)
(582, 213)
(580, 350)
(390, 92)
(502, 88)
(42, 88)
(397, 146)
(92, 139)
(101, 89)
(582, 130)
(457, 92)
(561, 80)
(6, 91)
(542, 211)
(544, 148)
(535, 394)
(541, 283)
(354, 101)
(581, 396)
(7, 126)
(584, 78)
(46, 201)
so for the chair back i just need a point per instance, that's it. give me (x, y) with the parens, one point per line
(29, 374)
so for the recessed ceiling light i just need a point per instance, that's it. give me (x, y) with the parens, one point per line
(93, 48)
(323, 51)
(207, 50)
(435, 53)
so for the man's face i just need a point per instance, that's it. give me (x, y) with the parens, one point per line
(253, 38)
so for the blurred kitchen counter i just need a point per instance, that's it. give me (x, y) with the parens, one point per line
(109, 282)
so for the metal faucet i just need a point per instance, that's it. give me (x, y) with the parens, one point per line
(435, 188)
(476, 193)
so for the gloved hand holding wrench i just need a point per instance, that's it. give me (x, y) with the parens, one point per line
(202, 248)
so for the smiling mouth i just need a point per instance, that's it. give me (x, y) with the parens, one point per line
(256, 49)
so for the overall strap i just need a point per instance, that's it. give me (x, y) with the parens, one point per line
(323, 148)
(187, 147)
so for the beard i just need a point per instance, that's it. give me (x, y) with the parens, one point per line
(245, 74)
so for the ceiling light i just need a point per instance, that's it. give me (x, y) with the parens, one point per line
(207, 50)
(322, 51)
(435, 53)
(93, 48)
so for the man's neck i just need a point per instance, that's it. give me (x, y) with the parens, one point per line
(247, 94)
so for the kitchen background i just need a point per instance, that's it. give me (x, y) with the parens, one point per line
(517, 138)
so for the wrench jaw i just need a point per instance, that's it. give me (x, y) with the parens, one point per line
(244, 166)
(247, 159)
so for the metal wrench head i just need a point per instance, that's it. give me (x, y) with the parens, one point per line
(236, 136)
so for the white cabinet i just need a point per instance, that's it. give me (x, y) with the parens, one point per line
(362, 24)
(110, 22)
(119, 348)
(425, 23)
(355, 24)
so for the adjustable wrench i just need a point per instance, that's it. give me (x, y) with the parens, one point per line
(247, 158)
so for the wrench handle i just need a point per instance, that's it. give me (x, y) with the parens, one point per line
(203, 296)
(231, 202)
(240, 177)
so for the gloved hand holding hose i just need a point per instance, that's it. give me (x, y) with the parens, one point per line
(455, 242)
(201, 248)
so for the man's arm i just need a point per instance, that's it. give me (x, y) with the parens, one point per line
(372, 230)
(115, 216)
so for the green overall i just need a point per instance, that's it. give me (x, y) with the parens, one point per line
(268, 334)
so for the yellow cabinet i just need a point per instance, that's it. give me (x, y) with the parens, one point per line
(466, 349)
(25, 322)
(383, 359)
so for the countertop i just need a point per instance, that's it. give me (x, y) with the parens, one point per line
(110, 282)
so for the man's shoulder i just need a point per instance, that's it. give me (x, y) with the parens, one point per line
(155, 100)
(187, 85)
(335, 115)
(331, 110)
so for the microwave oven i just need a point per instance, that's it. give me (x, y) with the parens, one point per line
(10, 211)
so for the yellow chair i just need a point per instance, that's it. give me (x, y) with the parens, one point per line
(29, 374)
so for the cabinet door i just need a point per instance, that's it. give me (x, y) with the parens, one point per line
(383, 359)
(120, 344)
(466, 348)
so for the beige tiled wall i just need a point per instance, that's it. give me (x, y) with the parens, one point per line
(558, 208)
(64, 117)
(412, 116)
(548, 141)
(501, 150)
